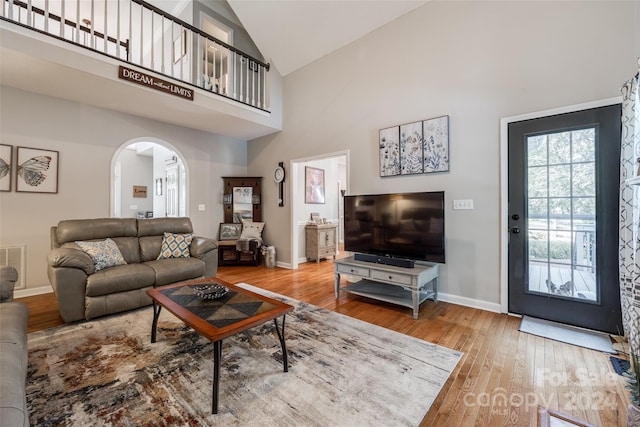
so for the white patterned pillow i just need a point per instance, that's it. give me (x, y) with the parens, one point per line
(251, 230)
(103, 254)
(175, 245)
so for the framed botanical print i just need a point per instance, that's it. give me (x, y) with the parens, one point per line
(37, 170)
(411, 148)
(436, 144)
(389, 151)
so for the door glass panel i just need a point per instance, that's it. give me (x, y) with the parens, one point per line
(561, 214)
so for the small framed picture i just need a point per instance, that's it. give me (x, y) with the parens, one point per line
(6, 157)
(230, 231)
(314, 185)
(37, 170)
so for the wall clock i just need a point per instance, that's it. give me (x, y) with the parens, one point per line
(278, 177)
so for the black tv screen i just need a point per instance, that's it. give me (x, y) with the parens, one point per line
(401, 225)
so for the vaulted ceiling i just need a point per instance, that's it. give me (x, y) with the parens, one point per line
(294, 33)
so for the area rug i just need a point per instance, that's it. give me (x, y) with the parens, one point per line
(342, 372)
(568, 334)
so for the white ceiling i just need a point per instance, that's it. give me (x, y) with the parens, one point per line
(294, 33)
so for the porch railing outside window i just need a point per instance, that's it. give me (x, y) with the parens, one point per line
(140, 34)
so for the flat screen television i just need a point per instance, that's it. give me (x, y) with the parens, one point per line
(401, 225)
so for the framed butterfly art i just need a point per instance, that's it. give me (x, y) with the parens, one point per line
(6, 159)
(36, 170)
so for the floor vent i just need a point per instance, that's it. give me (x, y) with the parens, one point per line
(15, 256)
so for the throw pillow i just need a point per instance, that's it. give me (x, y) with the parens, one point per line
(175, 245)
(251, 230)
(103, 254)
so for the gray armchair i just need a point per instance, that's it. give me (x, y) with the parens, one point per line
(8, 279)
(14, 317)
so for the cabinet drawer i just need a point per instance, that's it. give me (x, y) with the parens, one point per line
(330, 251)
(391, 277)
(347, 269)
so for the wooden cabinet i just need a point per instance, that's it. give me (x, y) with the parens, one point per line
(242, 198)
(321, 241)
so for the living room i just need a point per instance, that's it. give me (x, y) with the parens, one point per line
(477, 62)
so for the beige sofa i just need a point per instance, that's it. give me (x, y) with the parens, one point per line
(84, 293)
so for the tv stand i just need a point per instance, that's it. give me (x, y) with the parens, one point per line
(408, 287)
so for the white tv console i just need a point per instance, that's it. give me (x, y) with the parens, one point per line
(408, 287)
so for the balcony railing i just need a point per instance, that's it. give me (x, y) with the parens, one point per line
(140, 34)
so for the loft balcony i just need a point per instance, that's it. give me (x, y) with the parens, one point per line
(77, 50)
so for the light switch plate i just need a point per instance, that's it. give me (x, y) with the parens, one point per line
(465, 204)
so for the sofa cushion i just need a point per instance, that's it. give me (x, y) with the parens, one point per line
(175, 245)
(94, 229)
(157, 226)
(149, 247)
(119, 279)
(103, 253)
(129, 247)
(176, 270)
(14, 317)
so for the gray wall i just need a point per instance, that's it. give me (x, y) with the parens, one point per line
(137, 170)
(87, 138)
(474, 61)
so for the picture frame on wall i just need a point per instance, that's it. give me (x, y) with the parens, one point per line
(37, 170)
(411, 150)
(6, 162)
(313, 185)
(229, 231)
(436, 144)
(389, 151)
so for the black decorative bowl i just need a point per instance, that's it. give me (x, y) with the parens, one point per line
(210, 291)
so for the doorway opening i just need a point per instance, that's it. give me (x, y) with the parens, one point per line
(148, 180)
(336, 183)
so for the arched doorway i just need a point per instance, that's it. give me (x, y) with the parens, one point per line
(148, 179)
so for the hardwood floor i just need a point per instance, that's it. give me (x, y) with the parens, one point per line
(502, 378)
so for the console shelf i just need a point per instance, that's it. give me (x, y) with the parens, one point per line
(408, 287)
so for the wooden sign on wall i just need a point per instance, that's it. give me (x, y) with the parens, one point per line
(154, 83)
(140, 191)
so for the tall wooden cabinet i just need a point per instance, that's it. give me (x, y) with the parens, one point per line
(242, 198)
(321, 241)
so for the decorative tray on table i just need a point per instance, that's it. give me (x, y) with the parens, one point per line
(210, 290)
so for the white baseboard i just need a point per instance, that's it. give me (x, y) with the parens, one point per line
(286, 265)
(29, 292)
(470, 302)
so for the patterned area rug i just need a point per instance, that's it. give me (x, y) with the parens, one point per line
(342, 372)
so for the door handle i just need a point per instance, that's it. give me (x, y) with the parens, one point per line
(515, 230)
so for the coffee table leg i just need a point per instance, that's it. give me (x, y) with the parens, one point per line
(156, 314)
(285, 362)
(217, 355)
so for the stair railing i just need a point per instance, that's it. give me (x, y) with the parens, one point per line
(141, 34)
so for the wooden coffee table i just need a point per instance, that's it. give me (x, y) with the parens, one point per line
(217, 319)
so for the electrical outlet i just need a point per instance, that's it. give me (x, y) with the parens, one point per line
(133, 207)
(465, 204)
(200, 207)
